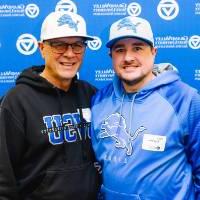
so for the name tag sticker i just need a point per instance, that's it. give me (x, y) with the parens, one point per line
(153, 142)
(87, 114)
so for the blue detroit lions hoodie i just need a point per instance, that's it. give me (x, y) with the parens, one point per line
(148, 142)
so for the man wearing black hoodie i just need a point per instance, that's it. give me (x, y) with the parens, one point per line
(45, 151)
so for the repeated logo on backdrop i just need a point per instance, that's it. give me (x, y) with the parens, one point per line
(19, 10)
(134, 9)
(168, 9)
(173, 33)
(197, 8)
(95, 44)
(169, 41)
(116, 9)
(26, 44)
(194, 42)
(66, 5)
(32, 10)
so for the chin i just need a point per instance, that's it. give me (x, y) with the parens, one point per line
(68, 76)
(131, 80)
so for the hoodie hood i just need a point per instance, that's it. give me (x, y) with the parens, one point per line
(165, 74)
(31, 77)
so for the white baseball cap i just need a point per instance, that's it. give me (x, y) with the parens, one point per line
(131, 26)
(63, 24)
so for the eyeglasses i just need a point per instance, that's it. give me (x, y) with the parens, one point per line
(61, 47)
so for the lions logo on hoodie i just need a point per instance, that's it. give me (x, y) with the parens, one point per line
(114, 127)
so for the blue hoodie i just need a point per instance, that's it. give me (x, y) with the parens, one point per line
(148, 142)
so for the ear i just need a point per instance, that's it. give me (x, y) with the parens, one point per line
(41, 47)
(154, 51)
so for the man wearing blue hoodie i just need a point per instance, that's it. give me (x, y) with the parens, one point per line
(147, 137)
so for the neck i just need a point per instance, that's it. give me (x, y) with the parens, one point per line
(61, 84)
(136, 85)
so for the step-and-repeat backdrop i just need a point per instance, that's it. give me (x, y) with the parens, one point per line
(176, 26)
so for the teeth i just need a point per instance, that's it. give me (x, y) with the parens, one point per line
(130, 67)
(67, 64)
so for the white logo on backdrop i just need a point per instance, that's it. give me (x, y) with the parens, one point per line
(197, 8)
(168, 9)
(66, 5)
(26, 44)
(134, 9)
(95, 44)
(194, 42)
(106, 9)
(32, 10)
(104, 74)
(8, 76)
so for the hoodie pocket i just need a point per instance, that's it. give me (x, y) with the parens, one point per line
(78, 183)
(107, 194)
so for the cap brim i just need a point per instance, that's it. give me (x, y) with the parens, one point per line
(110, 43)
(86, 37)
(89, 38)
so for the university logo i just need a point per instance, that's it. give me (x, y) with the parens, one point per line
(194, 42)
(128, 24)
(66, 5)
(67, 127)
(95, 44)
(66, 19)
(168, 9)
(134, 9)
(32, 10)
(26, 44)
(114, 127)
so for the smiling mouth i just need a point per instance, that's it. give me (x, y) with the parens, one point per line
(67, 64)
(130, 67)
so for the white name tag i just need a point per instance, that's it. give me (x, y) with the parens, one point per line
(153, 142)
(87, 114)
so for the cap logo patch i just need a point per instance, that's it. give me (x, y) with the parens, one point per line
(66, 19)
(126, 23)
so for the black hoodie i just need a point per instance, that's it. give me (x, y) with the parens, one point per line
(45, 150)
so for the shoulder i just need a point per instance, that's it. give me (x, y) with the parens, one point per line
(180, 95)
(178, 90)
(103, 93)
(84, 89)
(13, 96)
(85, 85)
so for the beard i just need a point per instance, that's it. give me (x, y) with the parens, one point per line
(132, 82)
(133, 85)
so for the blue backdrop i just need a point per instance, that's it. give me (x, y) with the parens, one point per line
(176, 26)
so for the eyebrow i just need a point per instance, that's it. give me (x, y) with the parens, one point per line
(59, 41)
(133, 44)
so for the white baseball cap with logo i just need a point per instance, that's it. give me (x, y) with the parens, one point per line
(63, 24)
(133, 27)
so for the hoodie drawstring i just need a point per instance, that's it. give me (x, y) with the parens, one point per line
(120, 112)
(131, 115)
(62, 125)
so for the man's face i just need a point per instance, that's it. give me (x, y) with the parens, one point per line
(133, 61)
(62, 61)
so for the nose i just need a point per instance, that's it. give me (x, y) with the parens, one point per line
(68, 52)
(129, 56)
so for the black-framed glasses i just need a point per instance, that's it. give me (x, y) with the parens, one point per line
(61, 47)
